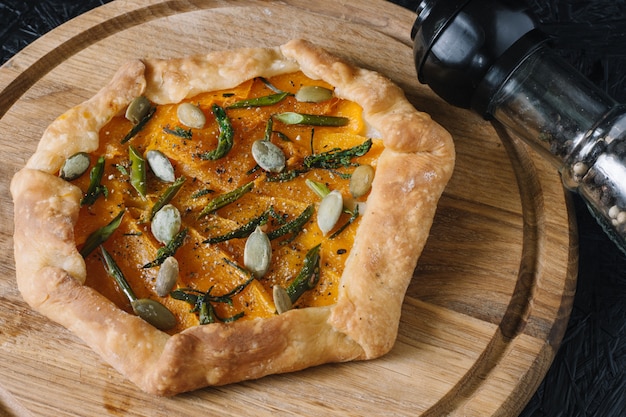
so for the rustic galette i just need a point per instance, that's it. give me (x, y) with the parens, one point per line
(217, 218)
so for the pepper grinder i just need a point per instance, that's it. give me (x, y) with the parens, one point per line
(489, 56)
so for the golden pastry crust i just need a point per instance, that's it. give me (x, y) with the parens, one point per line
(413, 169)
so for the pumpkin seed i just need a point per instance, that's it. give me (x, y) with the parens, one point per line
(154, 313)
(166, 224)
(269, 156)
(191, 115)
(160, 165)
(329, 211)
(137, 109)
(75, 166)
(361, 180)
(167, 276)
(613, 212)
(257, 253)
(313, 94)
(282, 302)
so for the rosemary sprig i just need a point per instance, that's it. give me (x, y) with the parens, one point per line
(95, 189)
(308, 277)
(270, 85)
(285, 175)
(137, 171)
(337, 158)
(353, 217)
(225, 138)
(168, 250)
(268, 100)
(122, 169)
(114, 271)
(151, 311)
(101, 235)
(226, 198)
(292, 118)
(137, 128)
(201, 193)
(202, 302)
(167, 196)
(254, 169)
(282, 136)
(179, 131)
(243, 231)
(269, 127)
(294, 227)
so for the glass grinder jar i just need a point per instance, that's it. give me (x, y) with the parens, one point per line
(490, 56)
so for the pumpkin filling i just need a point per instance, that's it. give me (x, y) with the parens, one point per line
(245, 200)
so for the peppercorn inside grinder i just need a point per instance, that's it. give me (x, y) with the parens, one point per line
(489, 56)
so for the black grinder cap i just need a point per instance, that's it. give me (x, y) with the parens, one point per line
(465, 50)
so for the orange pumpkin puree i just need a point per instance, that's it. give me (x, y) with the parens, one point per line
(203, 265)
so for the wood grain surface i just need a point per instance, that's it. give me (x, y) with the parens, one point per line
(491, 295)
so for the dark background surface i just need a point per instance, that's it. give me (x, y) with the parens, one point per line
(588, 376)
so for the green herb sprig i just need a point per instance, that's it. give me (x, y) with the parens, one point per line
(226, 198)
(246, 229)
(242, 231)
(138, 173)
(285, 176)
(179, 132)
(101, 235)
(308, 277)
(167, 196)
(262, 101)
(149, 310)
(294, 227)
(202, 302)
(137, 128)
(168, 250)
(225, 138)
(337, 158)
(95, 189)
(269, 85)
(353, 216)
(292, 118)
(202, 192)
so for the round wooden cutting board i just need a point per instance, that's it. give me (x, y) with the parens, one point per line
(490, 298)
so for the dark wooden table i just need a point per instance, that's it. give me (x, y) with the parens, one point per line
(588, 375)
